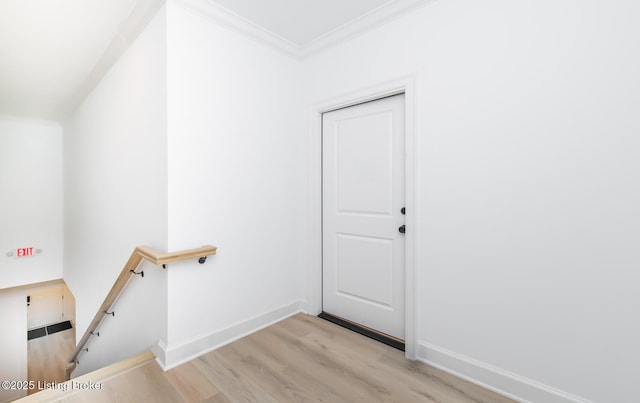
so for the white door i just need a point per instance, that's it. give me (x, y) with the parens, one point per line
(46, 306)
(363, 193)
(68, 305)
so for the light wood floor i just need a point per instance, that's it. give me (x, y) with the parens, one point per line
(48, 356)
(301, 359)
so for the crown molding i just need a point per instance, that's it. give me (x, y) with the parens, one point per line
(376, 17)
(236, 22)
(145, 10)
(371, 20)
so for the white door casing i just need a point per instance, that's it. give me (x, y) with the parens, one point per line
(363, 192)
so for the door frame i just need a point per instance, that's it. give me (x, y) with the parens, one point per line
(404, 85)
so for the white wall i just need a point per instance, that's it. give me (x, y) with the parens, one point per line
(115, 155)
(14, 317)
(13, 340)
(236, 176)
(30, 200)
(528, 189)
(136, 327)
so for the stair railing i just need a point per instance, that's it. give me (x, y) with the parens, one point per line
(129, 270)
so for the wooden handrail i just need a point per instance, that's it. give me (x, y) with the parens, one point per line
(139, 253)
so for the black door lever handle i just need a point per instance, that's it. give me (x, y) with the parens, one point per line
(402, 229)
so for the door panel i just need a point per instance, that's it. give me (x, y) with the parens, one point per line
(361, 257)
(364, 179)
(363, 193)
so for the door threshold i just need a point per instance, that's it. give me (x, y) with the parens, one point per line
(365, 331)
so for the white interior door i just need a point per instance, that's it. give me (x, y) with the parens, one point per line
(46, 306)
(363, 193)
(68, 305)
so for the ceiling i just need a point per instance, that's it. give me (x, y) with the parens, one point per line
(53, 52)
(48, 48)
(301, 21)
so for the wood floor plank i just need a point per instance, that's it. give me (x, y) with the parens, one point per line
(270, 379)
(366, 346)
(191, 383)
(217, 398)
(230, 380)
(301, 359)
(47, 357)
(399, 386)
(306, 373)
(318, 365)
(459, 387)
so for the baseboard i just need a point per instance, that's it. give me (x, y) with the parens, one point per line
(171, 356)
(304, 307)
(160, 352)
(498, 380)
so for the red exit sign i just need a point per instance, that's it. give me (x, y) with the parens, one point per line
(22, 252)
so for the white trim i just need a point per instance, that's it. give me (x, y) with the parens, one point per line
(160, 351)
(496, 379)
(404, 85)
(303, 307)
(237, 23)
(373, 19)
(171, 356)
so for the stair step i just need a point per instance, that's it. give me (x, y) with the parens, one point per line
(65, 389)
